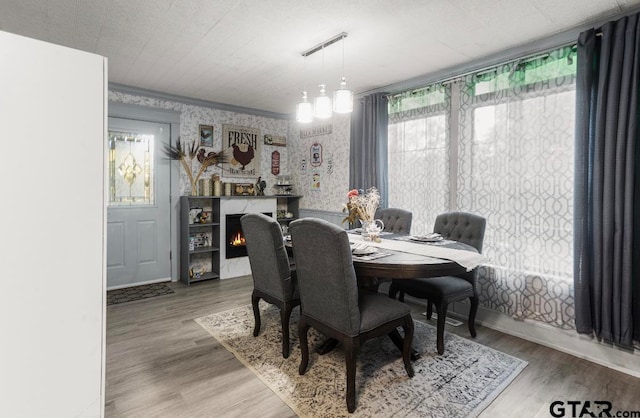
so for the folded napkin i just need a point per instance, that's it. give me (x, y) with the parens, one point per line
(467, 259)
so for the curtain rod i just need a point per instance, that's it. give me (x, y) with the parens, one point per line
(484, 70)
(422, 81)
(525, 58)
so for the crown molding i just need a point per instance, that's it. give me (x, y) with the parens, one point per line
(121, 88)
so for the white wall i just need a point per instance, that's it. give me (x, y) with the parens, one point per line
(52, 124)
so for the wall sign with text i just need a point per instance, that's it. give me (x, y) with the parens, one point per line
(275, 163)
(315, 131)
(276, 140)
(315, 152)
(242, 148)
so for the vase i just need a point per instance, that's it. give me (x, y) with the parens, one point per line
(371, 230)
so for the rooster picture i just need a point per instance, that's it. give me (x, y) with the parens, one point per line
(242, 157)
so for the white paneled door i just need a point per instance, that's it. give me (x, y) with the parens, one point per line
(138, 196)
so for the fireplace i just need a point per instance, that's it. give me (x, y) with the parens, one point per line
(235, 245)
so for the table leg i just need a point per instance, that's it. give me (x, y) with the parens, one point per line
(398, 341)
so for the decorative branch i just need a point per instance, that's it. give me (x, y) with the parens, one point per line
(183, 152)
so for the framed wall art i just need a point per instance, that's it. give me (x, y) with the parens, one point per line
(276, 140)
(243, 149)
(206, 135)
(315, 154)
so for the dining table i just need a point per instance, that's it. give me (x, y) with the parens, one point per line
(406, 257)
(413, 260)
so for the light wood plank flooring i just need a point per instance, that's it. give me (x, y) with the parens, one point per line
(160, 363)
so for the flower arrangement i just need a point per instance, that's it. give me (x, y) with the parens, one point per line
(361, 206)
(185, 153)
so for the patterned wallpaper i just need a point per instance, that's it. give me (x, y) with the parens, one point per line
(191, 116)
(331, 174)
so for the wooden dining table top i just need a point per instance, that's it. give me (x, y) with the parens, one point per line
(403, 265)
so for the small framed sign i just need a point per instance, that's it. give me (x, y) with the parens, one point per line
(275, 163)
(275, 140)
(244, 189)
(315, 152)
(206, 135)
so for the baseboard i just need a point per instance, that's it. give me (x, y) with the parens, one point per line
(122, 286)
(448, 320)
(566, 341)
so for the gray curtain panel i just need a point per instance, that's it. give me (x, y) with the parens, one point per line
(607, 167)
(368, 152)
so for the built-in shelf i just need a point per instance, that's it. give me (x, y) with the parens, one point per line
(199, 263)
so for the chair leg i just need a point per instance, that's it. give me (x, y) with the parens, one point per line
(285, 315)
(442, 315)
(472, 315)
(256, 313)
(401, 297)
(303, 328)
(351, 354)
(406, 347)
(393, 289)
(429, 309)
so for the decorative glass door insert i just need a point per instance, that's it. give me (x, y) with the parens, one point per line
(131, 168)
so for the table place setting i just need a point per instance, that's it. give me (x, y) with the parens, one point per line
(467, 259)
(429, 239)
(364, 252)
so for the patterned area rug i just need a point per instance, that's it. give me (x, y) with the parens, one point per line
(460, 383)
(129, 294)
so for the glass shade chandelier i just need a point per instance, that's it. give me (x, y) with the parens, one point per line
(322, 105)
(304, 110)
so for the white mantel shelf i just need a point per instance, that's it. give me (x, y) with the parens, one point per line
(273, 196)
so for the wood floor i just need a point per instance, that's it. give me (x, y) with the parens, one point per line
(160, 363)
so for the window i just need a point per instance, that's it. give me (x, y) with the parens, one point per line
(418, 155)
(512, 158)
(130, 169)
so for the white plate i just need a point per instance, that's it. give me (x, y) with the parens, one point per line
(364, 250)
(426, 238)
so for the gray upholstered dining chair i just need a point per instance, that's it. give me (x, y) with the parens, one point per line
(396, 220)
(331, 302)
(273, 280)
(467, 228)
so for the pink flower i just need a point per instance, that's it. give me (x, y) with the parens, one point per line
(352, 193)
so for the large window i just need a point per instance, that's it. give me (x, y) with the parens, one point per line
(418, 162)
(508, 156)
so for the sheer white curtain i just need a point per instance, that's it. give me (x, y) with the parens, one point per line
(511, 150)
(418, 154)
(516, 169)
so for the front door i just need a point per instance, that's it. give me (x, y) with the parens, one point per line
(138, 215)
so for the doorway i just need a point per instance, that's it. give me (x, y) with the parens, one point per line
(138, 196)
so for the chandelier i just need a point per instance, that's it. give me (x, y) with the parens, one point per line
(322, 104)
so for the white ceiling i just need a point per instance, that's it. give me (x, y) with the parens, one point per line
(248, 52)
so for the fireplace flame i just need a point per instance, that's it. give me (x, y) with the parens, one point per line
(237, 240)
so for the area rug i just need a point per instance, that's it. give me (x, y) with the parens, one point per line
(129, 294)
(460, 383)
